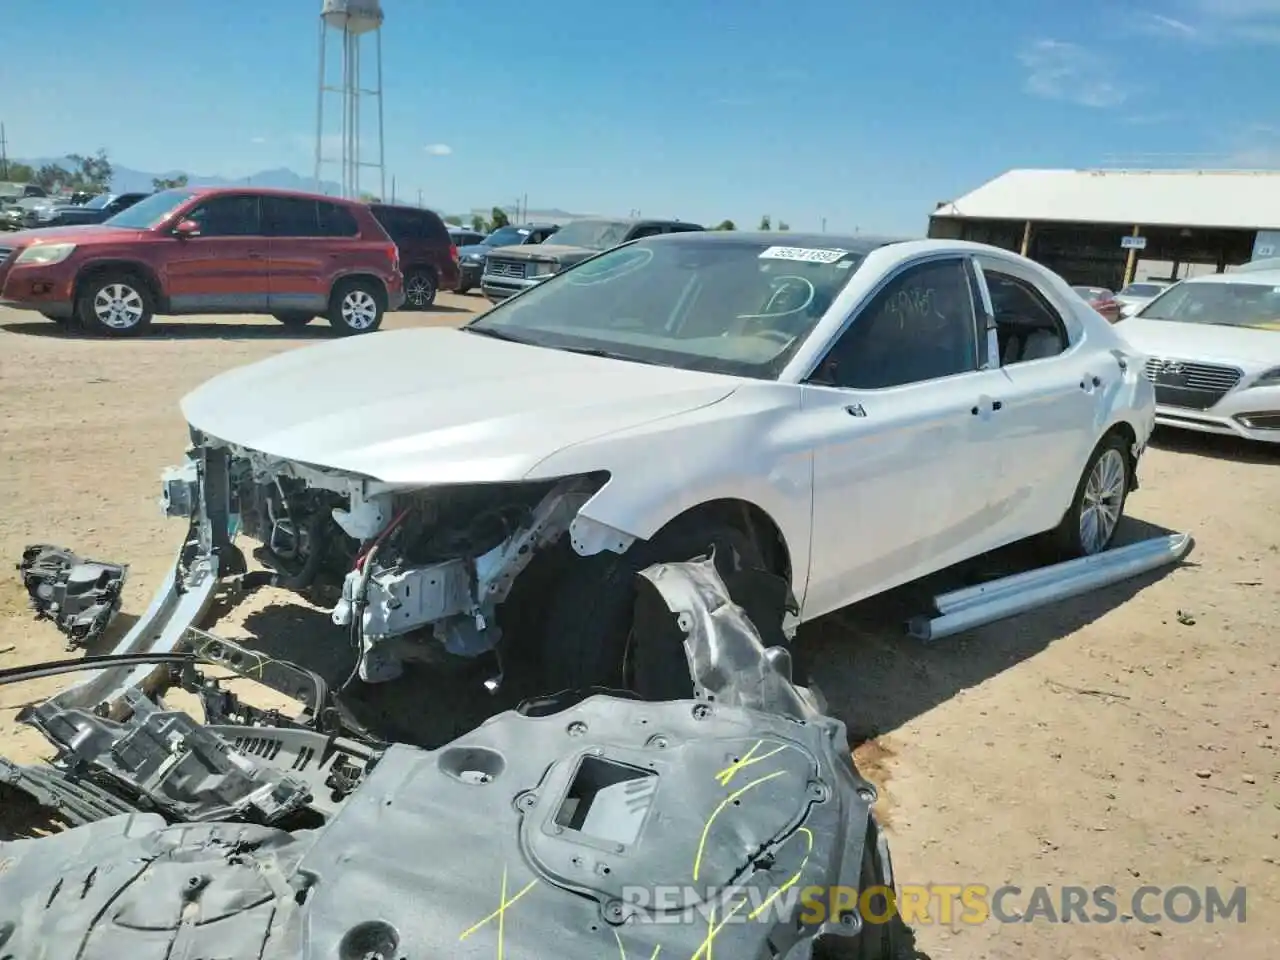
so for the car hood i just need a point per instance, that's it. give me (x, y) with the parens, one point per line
(1251, 349)
(86, 234)
(423, 406)
(473, 249)
(545, 251)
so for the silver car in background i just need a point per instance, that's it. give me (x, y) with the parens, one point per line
(1137, 295)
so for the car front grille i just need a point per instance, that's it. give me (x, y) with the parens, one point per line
(1195, 386)
(504, 268)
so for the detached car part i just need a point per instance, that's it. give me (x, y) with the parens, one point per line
(586, 824)
(81, 597)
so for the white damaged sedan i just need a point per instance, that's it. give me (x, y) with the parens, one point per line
(849, 413)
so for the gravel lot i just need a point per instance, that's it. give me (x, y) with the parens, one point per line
(1127, 738)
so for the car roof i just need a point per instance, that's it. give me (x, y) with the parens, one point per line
(1263, 278)
(267, 191)
(858, 243)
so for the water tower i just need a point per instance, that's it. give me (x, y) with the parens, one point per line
(354, 22)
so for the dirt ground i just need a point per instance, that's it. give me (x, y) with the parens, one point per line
(1127, 738)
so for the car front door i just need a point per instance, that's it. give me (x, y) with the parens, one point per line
(903, 415)
(1052, 404)
(223, 268)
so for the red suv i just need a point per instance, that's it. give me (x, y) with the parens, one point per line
(209, 250)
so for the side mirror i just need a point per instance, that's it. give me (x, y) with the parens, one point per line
(186, 230)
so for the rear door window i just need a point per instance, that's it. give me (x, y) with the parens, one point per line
(290, 217)
(336, 221)
(400, 224)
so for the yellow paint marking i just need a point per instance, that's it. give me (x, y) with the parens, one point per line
(731, 771)
(702, 843)
(501, 913)
(808, 835)
(713, 930)
(622, 951)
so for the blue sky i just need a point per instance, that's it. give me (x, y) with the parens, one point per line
(863, 114)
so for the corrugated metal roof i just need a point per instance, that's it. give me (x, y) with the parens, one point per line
(1245, 199)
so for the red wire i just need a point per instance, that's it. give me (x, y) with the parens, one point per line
(380, 537)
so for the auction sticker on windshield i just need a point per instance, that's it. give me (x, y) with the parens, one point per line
(803, 254)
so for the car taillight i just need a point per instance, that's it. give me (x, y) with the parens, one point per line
(453, 252)
(394, 252)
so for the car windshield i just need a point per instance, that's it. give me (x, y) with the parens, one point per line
(506, 237)
(593, 234)
(1141, 290)
(98, 202)
(1221, 304)
(150, 211)
(733, 306)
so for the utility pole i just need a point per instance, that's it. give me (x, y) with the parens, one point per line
(824, 224)
(4, 155)
(393, 188)
(419, 199)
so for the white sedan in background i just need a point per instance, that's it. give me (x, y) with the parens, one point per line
(1213, 348)
(850, 413)
(1137, 295)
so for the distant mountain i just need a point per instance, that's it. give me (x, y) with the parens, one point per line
(128, 180)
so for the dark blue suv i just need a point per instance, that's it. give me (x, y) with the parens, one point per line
(471, 259)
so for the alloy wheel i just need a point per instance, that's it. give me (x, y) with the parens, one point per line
(419, 291)
(359, 310)
(118, 306)
(1102, 501)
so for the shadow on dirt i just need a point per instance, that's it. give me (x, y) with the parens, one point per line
(876, 678)
(1214, 446)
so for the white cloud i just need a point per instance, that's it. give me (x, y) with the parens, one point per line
(1215, 21)
(438, 149)
(259, 140)
(1064, 71)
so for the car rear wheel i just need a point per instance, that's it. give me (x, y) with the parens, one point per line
(295, 319)
(420, 288)
(117, 304)
(357, 306)
(1090, 525)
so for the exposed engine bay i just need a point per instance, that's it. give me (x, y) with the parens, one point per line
(401, 570)
(589, 823)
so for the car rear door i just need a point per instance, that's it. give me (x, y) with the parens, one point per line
(302, 257)
(904, 426)
(223, 269)
(1052, 405)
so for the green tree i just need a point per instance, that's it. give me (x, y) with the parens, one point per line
(765, 223)
(51, 177)
(726, 225)
(92, 172)
(478, 224)
(18, 173)
(369, 198)
(455, 221)
(498, 218)
(168, 183)
(783, 225)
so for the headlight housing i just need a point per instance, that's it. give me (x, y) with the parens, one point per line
(1270, 378)
(46, 254)
(544, 268)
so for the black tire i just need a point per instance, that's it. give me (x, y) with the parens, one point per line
(357, 306)
(294, 319)
(886, 940)
(585, 632)
(115, 303)
(462, 291)
(420, 289)
(1068, 540)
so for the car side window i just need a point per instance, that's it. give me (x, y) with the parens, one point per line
(228, 217)
(336, 221)
(1028, 327)
(289, 217)
(920, 326)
